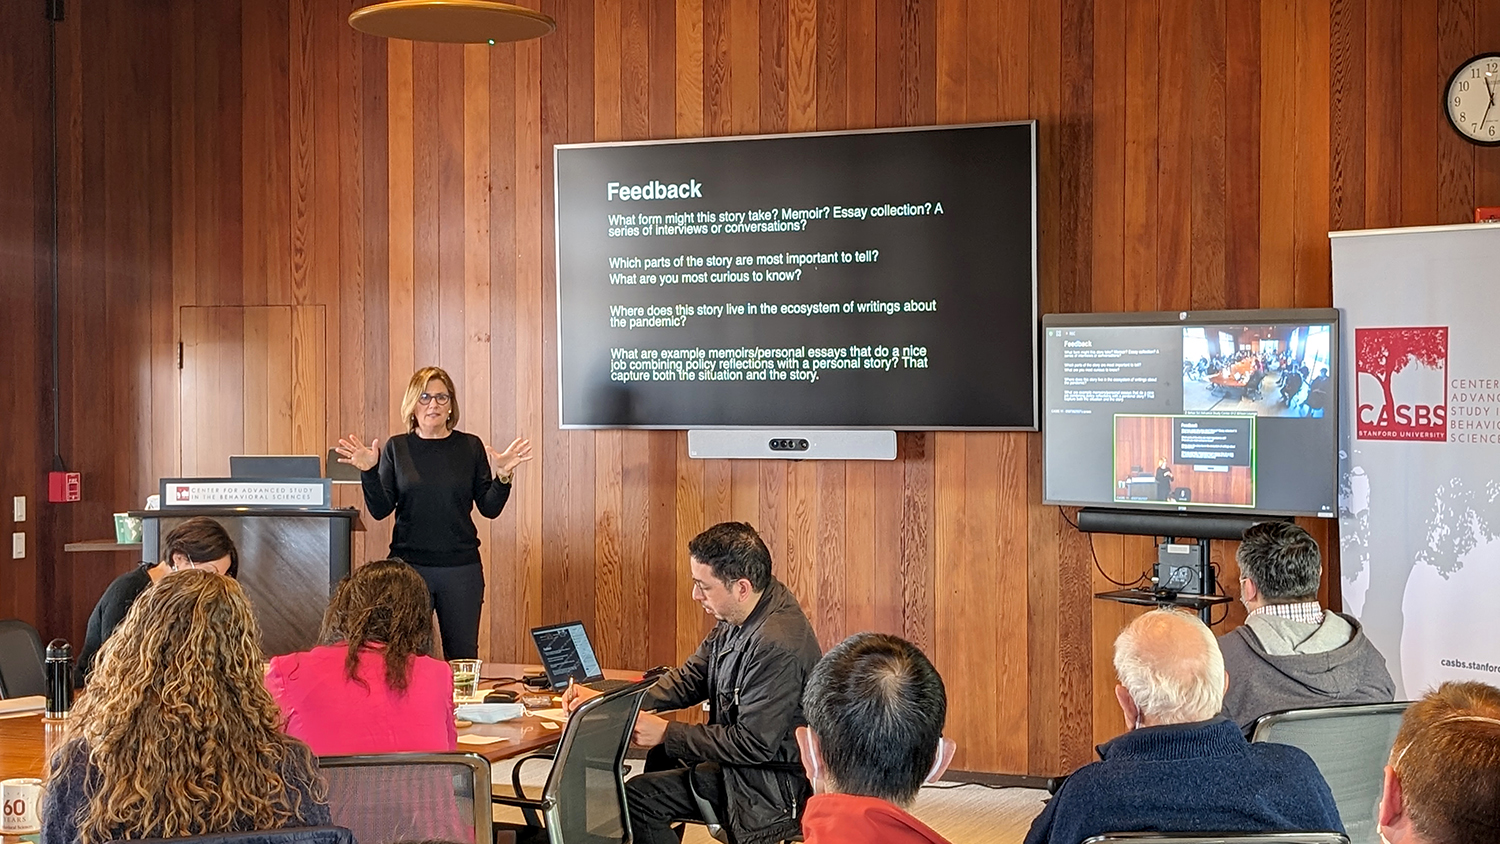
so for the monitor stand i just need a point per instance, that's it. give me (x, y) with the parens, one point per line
(1184, 577)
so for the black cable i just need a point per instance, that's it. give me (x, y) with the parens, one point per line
(1095, 555)
(54, 13)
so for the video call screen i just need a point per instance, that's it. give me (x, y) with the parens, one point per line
(1230, 411)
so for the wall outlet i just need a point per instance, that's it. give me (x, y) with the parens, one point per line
(18, 546)
(20, 508)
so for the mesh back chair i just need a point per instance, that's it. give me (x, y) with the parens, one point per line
(583, 799)
(1218, 838)
(1351, 745)
(391, 797)
(22, 663)
(290, 835)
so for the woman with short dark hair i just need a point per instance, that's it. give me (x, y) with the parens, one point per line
(197, 543)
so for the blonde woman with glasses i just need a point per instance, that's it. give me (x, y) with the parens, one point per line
(433, 477)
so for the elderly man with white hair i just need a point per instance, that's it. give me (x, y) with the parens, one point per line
(1181, 767)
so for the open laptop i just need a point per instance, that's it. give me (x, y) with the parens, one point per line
(567, 655)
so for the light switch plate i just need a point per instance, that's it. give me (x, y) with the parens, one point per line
(18, 546)
(20, 508)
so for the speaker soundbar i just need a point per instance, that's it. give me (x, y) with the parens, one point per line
(788, 444)
(1184, 525)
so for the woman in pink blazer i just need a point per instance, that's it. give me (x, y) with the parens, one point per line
(370, 687)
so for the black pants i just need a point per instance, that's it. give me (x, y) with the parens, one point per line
(661, 795)
(457, 595)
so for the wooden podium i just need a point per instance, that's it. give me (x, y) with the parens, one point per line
(293, 546)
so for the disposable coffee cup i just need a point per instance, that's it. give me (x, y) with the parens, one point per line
(20, 810)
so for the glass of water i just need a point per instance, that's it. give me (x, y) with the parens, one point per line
(465, 678)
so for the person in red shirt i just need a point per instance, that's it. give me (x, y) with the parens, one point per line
(875, 709)
(370, 686)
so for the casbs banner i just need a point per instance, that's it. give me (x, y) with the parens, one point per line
(1419, 519)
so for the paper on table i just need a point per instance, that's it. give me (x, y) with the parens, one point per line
(557, 714)
(23, 705)
(469, 738)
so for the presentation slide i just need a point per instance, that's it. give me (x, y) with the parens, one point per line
(871, 279)
(1181, 415)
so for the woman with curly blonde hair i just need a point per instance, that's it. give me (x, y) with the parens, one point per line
(177, 735)
(370, 686)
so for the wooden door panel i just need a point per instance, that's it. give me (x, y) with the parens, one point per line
(251, 383)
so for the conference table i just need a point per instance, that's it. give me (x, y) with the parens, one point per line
(26, 741)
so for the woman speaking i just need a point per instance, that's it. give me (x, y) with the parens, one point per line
(432, 477)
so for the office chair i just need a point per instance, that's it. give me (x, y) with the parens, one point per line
(1218, 838)
(22, 662)
(390, 797)
(1350, 745)
(289, 835)
(583, 799)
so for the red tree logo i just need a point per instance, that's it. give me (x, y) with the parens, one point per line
(1384, 353)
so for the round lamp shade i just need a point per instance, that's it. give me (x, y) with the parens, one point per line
(454, 21)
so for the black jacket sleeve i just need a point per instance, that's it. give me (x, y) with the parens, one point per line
(686, 685)
(379, 483)
(490, 494)
(766, 702)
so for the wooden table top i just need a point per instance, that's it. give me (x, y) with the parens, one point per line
(26, 741)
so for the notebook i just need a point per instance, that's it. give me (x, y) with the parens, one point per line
(567, 655)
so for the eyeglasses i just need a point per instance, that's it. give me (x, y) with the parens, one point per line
(429, 398)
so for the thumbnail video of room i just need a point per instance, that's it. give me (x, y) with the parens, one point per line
(1185, 460)
(1279, 370)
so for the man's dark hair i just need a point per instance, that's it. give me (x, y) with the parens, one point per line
(734, 550)
(877, 707)
(201, 540)
(1283, 560)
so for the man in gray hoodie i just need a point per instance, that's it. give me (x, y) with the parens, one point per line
(1291, 653)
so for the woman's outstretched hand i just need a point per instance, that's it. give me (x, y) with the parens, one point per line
(357, 454)
(502, 463)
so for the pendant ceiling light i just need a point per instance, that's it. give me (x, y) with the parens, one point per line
(454, 21)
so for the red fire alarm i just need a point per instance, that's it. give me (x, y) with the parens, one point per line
(1487, 214)
(63, 487)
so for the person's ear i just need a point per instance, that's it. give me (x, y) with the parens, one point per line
(1248, 590)
(1391, 814)
(941, 760)
(742, 589)
(177, 560)
(1128, 708)
(812, 763)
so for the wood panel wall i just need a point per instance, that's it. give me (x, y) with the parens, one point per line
(26, 303)
(259, 152)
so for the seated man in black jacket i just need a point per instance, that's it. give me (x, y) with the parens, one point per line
(750, 669)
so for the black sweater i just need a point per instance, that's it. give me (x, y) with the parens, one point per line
(433, 485)
(108, 614)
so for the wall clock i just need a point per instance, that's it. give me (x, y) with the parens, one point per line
(1471, 99)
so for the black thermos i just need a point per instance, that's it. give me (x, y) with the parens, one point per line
(59, 679)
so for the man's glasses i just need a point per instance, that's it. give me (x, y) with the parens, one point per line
(429, 398)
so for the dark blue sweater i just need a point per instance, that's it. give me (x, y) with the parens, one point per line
(1200, 777)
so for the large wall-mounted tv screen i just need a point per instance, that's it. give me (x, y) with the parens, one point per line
(1232, 411)
(875, 279)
